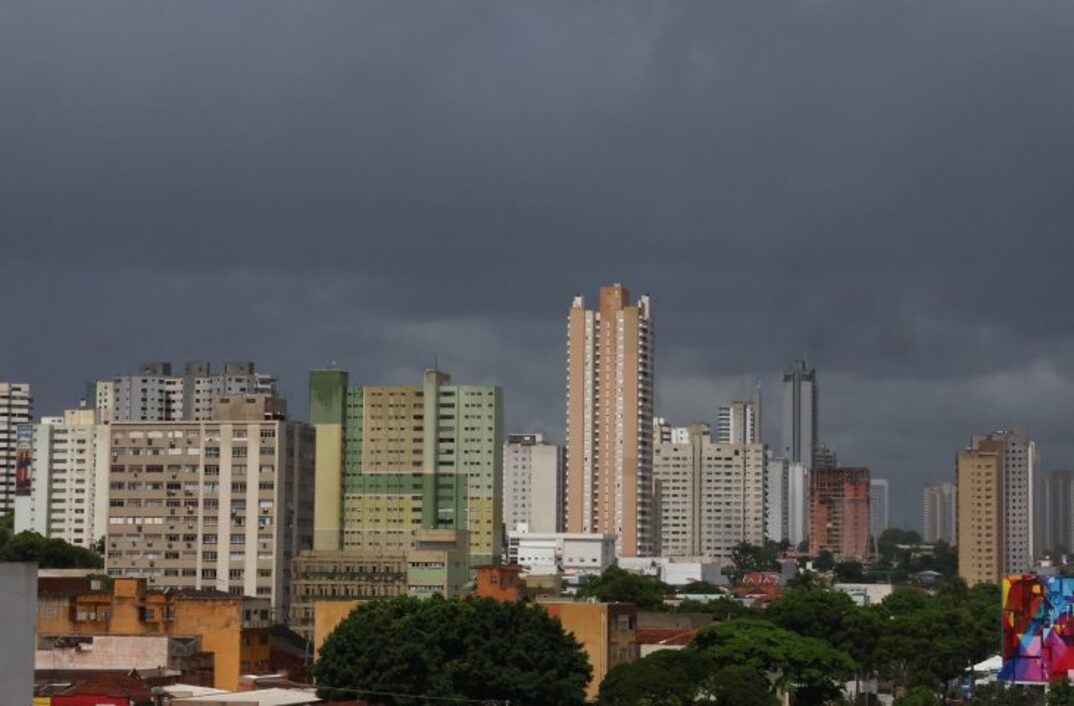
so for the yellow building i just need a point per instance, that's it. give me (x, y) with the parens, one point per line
(326, 616)
(979, 473)
(233, 628)
(608, 633)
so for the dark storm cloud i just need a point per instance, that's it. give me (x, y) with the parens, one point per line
(886, 187)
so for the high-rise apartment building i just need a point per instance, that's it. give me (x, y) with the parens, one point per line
(392, 460)
(979, 476)
(879, 506)
(220, 504)
(709, 497)
(1023, 500)
(609, 420)
(65, 460)
(16, 407)
(740, 422)
(940, 512)
(1060, 512)
(155, 394)
(801, 413)
(534, 484)
(839, 512)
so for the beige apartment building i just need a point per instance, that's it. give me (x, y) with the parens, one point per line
(609, 420)
(979, 477)
(221, 504)
(709, 496)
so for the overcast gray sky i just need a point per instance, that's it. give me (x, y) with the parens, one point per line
(887, 187)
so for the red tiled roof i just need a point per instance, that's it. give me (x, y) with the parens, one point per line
(665, 636)
(111, 684)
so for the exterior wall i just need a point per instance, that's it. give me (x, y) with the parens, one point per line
(801, 418)
(501, 583)
(326, 616)
(878, 506)
(18, 586)
(606, 631)
(533, 484)
(222, 505)
(940, 510)
(1020, 497)
(979, 474)
(574, 554)
(839, 512)
(113, 652)
(16, 407)
(328, 394)
(439, 563)
(1060, 512)
(710, 497)
(609, 436)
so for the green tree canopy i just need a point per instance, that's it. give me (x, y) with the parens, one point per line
(850, 572)
(618, 586)
(746, 557)
(49, 552)
(831, 616)
(809, 667)
(919, 696)
(474, 648)
(738, 686)
(888, 541)
(1060, 693)
(663, 678)
(825, 560)
(698, 587)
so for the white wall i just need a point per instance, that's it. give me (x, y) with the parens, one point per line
(18, 615)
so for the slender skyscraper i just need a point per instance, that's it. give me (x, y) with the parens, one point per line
(609, 420)
(879, 508)
(1022, 500)
(800, 413)
(16, 407)
(940, 512)
(1061, 512)
(740, 422)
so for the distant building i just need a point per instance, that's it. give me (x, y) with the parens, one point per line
(392, 460)
(155, 394)
(16, 408)
(740, 422)
(825, 457)
(1022, 497)
(1061, 512)
(940, 512)
(801, 413)
(534, 484)
(570, 553)
(979, 474)
(609, 420)
(786, 501)
(608, 633)
(224, 504)
(687, 476)
(879, 506)
(234, 629)
(839, 512)
(66, 462)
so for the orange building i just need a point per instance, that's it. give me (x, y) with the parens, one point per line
(235, 629)
(839, 512)
(608, 633)
(502, 582)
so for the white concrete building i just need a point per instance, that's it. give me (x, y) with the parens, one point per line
(939, 512)
(16, 407)
(155, 394)
(572, 554)
(709, 497)
(879, 506)
(675, 572)
(68, 477)
(740, 422)
(18, 615)
(1022, 497)
(534, 483)
(797, 503)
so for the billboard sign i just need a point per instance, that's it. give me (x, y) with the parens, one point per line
(24, 439)
(1038, 628)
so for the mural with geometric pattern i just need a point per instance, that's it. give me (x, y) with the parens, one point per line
(1038, 628)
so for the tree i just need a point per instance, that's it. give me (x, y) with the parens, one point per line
(849, 572)
(919, 696)
(746, 557)
(699, 587)
(831, 616)
(825, 560)
(1060, 693)
(474, 648)
(721, 609)
(739, 686)
(618, 586)
(887, 544)
(998, 694)
(49, 552)
(663, 678)
(812, 669)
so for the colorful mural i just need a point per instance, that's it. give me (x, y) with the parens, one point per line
(1038, 628)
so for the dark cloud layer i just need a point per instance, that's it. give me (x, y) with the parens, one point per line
(884, 186)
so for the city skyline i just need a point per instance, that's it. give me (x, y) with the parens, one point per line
(824, 189)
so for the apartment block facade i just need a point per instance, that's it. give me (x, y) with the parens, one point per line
(393, 460)
(610, 371)
(1023, 497)
(16, 408)
(801, 414)
(1060, 512)
(709, 497)
(879, 506)
(981, 532)
(940, 512)
(740, 422)
(534, 484)
(66, 462)
(224, 504)
(156, 394)
(839, 512)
